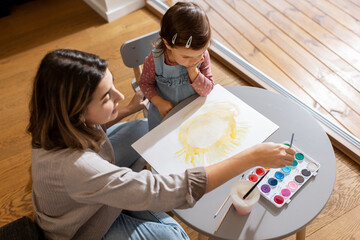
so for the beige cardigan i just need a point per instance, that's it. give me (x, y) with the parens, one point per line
(79, 194)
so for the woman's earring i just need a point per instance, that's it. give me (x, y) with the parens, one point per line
(83, 120)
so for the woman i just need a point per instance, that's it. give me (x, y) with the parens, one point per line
(83, 186)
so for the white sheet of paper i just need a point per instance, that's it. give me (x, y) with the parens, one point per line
(208, 130)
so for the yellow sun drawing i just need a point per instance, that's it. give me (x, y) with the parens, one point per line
(212, 134)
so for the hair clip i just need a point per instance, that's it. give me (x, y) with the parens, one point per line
(174, 39)
(188, 43)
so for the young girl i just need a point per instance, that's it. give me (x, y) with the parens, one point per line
(179, 65)
(83, 187)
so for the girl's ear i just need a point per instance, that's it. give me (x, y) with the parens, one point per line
(166, 43)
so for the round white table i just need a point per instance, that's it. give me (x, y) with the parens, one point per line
(267, 221)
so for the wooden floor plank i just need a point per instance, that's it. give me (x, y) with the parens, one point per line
(337, 14)
(356, 2)
(348, 7)
(321, 18)
(319, 33)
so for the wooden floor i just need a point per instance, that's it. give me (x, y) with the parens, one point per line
(37, 27)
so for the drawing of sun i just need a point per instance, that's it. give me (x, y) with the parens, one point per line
(212, 134)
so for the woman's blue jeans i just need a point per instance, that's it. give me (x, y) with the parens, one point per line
(137, 224)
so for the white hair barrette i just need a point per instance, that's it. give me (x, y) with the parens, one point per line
(188, 43)
(174, 39)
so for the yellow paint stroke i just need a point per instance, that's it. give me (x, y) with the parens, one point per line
(212, 134)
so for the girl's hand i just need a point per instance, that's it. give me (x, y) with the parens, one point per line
(137, 102)
(195, 64)
(163, 106)
(193, 71)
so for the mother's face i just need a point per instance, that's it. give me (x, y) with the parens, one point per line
(103, 107)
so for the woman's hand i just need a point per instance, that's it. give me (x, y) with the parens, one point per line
(271, 155)
(137, 102)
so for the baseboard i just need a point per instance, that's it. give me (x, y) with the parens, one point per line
(114, 11)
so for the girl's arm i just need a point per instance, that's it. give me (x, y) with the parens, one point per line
(147, 85)
(147, 78)
(203, 83)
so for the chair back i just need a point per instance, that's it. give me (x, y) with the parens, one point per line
(134, 51)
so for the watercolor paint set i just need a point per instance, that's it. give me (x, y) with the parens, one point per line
(281, 184)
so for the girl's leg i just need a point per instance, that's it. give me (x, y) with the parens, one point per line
(121, 136)
(145, 225)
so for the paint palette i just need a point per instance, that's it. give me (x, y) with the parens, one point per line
(281, 184)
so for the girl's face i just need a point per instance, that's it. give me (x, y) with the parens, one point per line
(103, 107)
(187, 57)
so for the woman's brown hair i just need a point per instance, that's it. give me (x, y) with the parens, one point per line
(62, 89)
(182, 21)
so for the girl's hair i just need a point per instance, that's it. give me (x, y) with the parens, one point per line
(184, 20)
(63, 88)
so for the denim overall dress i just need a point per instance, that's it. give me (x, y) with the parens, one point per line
(172, 84)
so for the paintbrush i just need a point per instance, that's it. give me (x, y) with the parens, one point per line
(292, 138)
(253, 187)
(222, 219)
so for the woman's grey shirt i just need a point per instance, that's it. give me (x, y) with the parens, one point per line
(79, 194)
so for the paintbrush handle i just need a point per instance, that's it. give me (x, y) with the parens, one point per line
(222, 219)
(253, 187)
(292, 139)
(222, 205)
